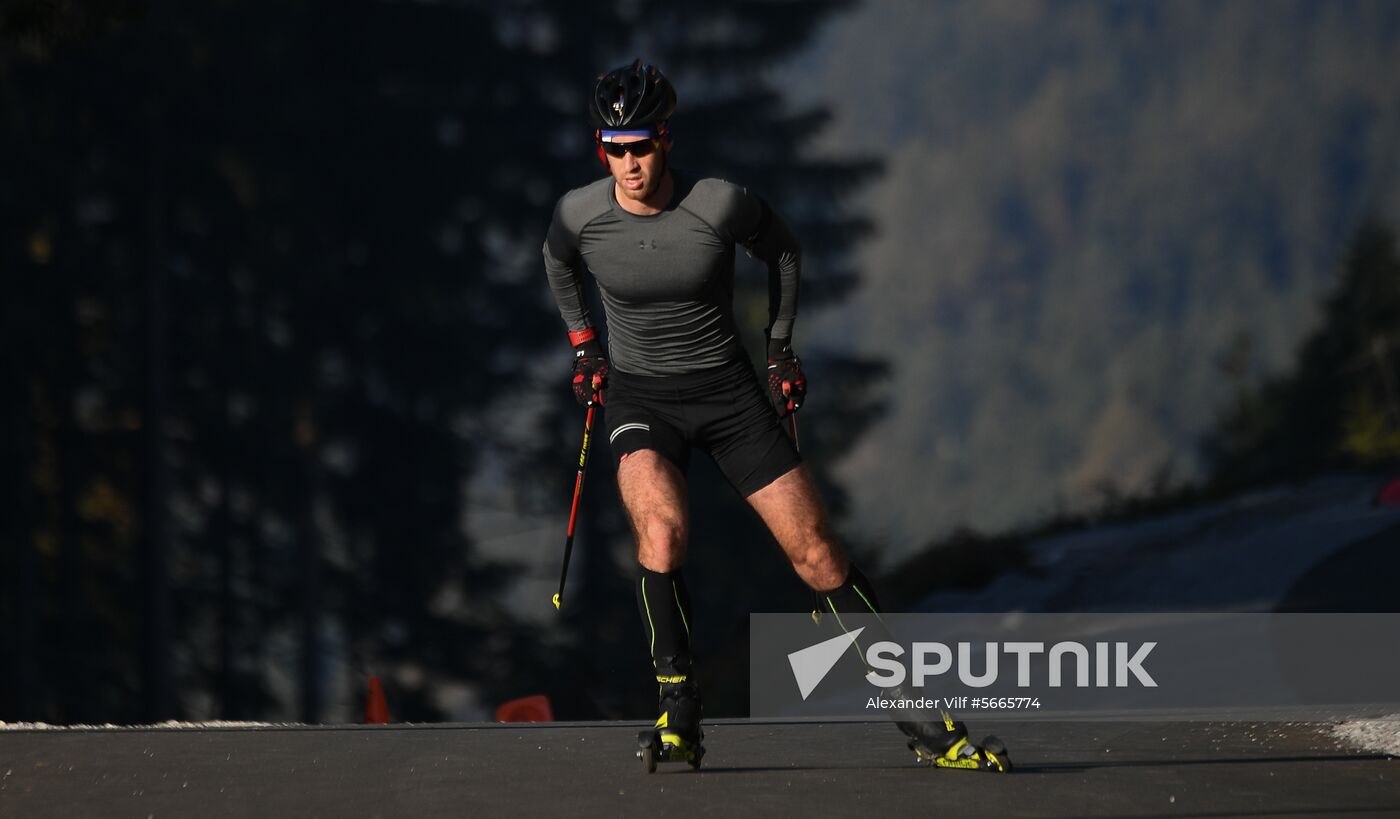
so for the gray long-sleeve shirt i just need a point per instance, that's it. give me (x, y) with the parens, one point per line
(667, 281)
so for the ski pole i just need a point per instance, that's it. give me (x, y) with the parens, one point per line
(573, 510)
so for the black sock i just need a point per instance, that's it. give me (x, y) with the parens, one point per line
(853, 605)
(855, 601)
(664, 604)
(854, 596)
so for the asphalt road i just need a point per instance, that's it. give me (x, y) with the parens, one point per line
(752, 768)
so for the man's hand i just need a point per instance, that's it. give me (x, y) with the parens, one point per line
(787, 384)
(590, 371)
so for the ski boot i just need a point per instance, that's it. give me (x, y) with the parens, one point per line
(945, 745)
(676, 737)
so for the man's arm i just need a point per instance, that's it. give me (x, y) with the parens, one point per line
(769, 240)
(562, 265)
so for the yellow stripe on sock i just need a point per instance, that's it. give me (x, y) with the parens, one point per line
(677, 592)
(650, 624)
(860, 652)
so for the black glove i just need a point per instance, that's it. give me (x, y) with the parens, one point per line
(787, 384)
(590, 371)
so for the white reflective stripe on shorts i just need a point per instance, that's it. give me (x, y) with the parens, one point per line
(624, 428)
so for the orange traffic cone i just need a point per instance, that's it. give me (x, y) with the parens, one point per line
(376, 709)
(526, 709)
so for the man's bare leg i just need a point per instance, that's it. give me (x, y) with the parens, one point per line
(653, 493)
(795, 515)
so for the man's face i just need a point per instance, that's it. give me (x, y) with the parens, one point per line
(637, 176)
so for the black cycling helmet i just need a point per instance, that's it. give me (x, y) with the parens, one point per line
(634, 96)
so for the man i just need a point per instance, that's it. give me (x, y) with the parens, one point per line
(660, 245)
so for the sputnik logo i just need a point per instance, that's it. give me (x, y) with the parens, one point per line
(811, 665)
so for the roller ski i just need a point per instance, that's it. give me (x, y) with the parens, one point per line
(945, 745)
(676, 737)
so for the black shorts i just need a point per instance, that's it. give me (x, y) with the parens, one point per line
(723, 411)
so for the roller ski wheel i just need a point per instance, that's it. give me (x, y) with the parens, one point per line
(676, 736)
(950, 748)
(654, 746)
(991, 756)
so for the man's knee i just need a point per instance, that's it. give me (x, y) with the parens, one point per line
(822, 565)
(813, 541)
(660, 559)
(661, 533)
(661, 539)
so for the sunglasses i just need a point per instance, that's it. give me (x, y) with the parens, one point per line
(640, 148)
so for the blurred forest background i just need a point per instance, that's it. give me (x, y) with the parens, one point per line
(288, 402)
(1099, 224)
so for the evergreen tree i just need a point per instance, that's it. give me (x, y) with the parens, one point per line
(1340, 404)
